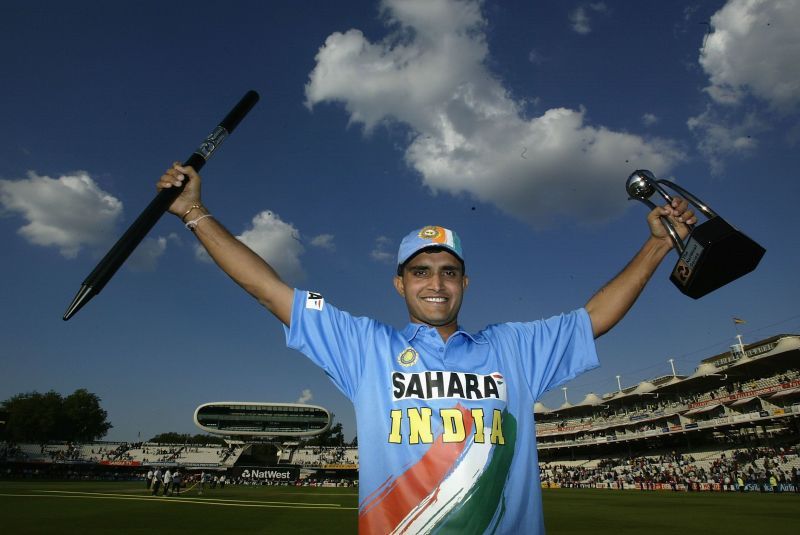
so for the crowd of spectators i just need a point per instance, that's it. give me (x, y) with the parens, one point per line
(325, 455)
(136, 452)
(762, 467)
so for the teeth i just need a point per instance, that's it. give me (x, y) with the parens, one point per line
(435, 299)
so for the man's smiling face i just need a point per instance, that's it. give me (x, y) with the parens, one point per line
(433, 284)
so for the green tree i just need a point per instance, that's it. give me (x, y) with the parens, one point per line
(34, 417)
(85, 419)
(170, 438)
(40, 418)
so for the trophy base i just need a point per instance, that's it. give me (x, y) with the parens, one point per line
(715, 254)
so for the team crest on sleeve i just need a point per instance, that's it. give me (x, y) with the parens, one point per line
(315, 301)
(408, 357)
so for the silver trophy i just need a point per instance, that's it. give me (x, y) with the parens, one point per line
(713, 254)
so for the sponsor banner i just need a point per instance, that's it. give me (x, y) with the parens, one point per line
(564, 429)
(638, 417)
(340, 466)
(265, 473)
(704, 487)
(121, 463)
(690, 426)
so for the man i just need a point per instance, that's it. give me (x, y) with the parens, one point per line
(167, 482)
(445, 418)
(156, 481)
(176, 482)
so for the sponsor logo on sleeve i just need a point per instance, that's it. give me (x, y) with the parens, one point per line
(315, 301)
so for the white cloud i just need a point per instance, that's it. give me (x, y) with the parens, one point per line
(146, 255)
(579, 17)
(324, 241)
(381, 252)
(305, 396)
(720, 135)
(69, 212)
(468, 134)
(274, 240)
(754, 49)
(649, 119)
(579, 20)
(536, 57)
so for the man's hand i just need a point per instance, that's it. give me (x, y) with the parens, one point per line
(174, 177)
(679, 215)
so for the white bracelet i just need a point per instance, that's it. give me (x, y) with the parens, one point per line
(191, 225)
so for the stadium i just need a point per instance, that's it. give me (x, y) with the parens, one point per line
(726, 437)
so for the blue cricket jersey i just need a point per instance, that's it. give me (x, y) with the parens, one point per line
(446, 434)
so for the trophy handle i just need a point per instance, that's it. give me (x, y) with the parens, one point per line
(696, 202)
(676, 239)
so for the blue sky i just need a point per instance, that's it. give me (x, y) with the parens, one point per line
(515, 123)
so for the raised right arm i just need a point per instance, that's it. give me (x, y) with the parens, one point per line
(245, 267)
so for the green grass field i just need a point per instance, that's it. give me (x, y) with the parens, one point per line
(88, 508)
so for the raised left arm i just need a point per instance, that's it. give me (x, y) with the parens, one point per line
(613, 301)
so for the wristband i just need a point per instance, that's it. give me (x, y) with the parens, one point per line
(192, 225)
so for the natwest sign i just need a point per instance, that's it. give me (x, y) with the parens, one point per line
(266, 473)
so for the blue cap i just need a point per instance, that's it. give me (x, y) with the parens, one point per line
(426, 238)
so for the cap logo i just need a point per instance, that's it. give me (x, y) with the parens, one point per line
(408, 357)
(435, 234)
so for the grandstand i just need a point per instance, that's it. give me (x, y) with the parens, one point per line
(326, 458)
(737, 416)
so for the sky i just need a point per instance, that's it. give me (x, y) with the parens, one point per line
(516, 123)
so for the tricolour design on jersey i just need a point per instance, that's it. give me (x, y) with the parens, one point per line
(454, 486)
